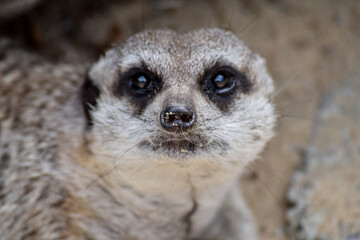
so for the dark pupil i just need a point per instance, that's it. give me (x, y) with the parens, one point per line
(220, 81)
(141, 82)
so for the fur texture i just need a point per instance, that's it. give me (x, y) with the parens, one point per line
(123, 176)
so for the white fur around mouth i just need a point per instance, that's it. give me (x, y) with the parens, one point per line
(173, 146)
(182, 146)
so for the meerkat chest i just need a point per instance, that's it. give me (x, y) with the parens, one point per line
(175, 195)
(153, 200)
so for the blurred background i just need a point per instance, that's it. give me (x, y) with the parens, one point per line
(306, 184)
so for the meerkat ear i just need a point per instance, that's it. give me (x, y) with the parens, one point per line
(89, 94)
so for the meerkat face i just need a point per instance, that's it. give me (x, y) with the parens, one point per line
(166, 96)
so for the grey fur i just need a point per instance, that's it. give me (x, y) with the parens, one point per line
(62, 180)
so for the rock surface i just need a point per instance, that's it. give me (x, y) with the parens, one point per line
(325, 191)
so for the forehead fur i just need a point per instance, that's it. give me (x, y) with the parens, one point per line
(211, 41)
(167, 52)
(166, 47)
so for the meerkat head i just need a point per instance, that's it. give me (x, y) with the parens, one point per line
(164, 96)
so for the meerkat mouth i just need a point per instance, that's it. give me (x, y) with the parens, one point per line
(174, 146)
(177, 147)
(183, 146)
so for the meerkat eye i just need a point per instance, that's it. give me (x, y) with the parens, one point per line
(223, 83)
(139, 85)
(219, 81)
(140, 82)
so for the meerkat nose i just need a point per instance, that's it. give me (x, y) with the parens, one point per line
(177, 119)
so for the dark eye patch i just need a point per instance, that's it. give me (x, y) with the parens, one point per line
(140, 85)
(222, 83)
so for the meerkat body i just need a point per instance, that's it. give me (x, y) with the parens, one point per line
(148, 144)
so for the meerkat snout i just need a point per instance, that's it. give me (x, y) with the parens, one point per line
(177, 119)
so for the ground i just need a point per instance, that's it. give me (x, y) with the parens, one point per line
(312, 50)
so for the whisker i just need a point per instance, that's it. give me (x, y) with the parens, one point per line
(157, 27)
(137, 170)
(242, 30)
(284, 116)
(210, 19)
(297, 103)
(143, 19)
(261, 181)
(110, 170)
(243, 120)
(269, 170)
(227, 27)
(184, 135)
(284, 86)
(133, 115)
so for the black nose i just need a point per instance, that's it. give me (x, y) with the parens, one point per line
(177, 118)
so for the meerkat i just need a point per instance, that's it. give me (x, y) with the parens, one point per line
(148, 143)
